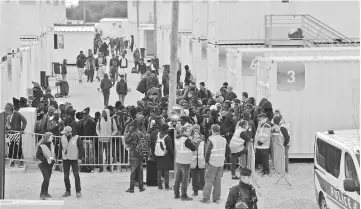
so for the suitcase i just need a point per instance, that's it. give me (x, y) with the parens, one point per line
(151, 173)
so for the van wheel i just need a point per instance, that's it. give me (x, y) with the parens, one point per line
(322, 202)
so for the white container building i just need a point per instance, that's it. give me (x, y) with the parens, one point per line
(69, 40)
(114, 27)
(313, 93)
(241, 75)
(236, 22)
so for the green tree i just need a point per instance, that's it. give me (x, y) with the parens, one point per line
(96, 10)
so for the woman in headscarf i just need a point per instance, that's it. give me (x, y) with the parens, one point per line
(45, 155)
(106, 128)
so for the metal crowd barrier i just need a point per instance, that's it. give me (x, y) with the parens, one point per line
(278, 156)
(108, 151)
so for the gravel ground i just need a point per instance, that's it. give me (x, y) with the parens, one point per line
(107, 190)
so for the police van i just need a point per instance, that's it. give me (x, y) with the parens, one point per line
(337, 169)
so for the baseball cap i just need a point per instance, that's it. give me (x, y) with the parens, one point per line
(67, 129)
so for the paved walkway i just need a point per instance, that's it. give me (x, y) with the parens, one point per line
(107, 191)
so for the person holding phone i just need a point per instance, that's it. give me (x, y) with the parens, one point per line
(45, 155)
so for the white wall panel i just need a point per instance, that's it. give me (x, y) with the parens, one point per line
(323, 113)
(200, 19)
(74, 42)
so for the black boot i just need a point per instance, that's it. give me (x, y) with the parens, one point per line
(131, 188)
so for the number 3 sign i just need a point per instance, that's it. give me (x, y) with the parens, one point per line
(290, 76)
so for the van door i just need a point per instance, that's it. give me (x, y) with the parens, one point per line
(328, 158)
(351, 169)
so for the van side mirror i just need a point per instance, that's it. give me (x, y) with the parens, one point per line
(349, 185)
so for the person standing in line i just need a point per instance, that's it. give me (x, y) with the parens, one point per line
(64, 70)
(133, 137)
(136, 57)
(106, 126)
(123, 63)
(90, 65)
(262, 141)
(73, 152)
(122, 89)
(45, 155)
(184, 148)
(15, 121)
(198, 162)
(216, 152)
(80, 63)
(105, 86)
(164, 155)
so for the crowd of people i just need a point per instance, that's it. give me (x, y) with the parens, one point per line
(211, 135)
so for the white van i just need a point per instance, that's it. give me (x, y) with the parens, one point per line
(337, 169)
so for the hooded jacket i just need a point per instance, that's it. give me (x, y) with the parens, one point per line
(106, 127)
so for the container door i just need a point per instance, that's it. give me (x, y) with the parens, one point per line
(262, 80)
(149, 39)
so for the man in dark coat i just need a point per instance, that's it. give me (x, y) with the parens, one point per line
(242, 196)
(136, 131)
(187, 78)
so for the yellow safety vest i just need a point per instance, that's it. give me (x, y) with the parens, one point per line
(218, 151)
(70, 149)
(184, 154)
(198, 157)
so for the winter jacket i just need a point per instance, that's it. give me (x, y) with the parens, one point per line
(106, 83)
(40, 155)
(187, 78)
(64, 70)
(80, 61)
(122, 87)
(125, 64)
(90, 64)
(230, 96)
(90, 127)
(142, 68)
(205, 93)
(249, 194)
(152, 81)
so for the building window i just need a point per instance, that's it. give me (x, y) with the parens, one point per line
(350, 170)
(58, 41)
(328, 157)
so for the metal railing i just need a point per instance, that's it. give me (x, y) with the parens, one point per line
(108, 151)
(314, 33)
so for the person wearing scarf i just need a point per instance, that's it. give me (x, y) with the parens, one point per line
(45, 155)
(106, 127)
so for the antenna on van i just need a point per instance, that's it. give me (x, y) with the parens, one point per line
(354, 120)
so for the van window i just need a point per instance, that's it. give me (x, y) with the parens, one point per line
(350, 170)
(328, 157)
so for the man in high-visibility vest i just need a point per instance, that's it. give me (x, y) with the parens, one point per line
(216, 152)
(183, 147)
